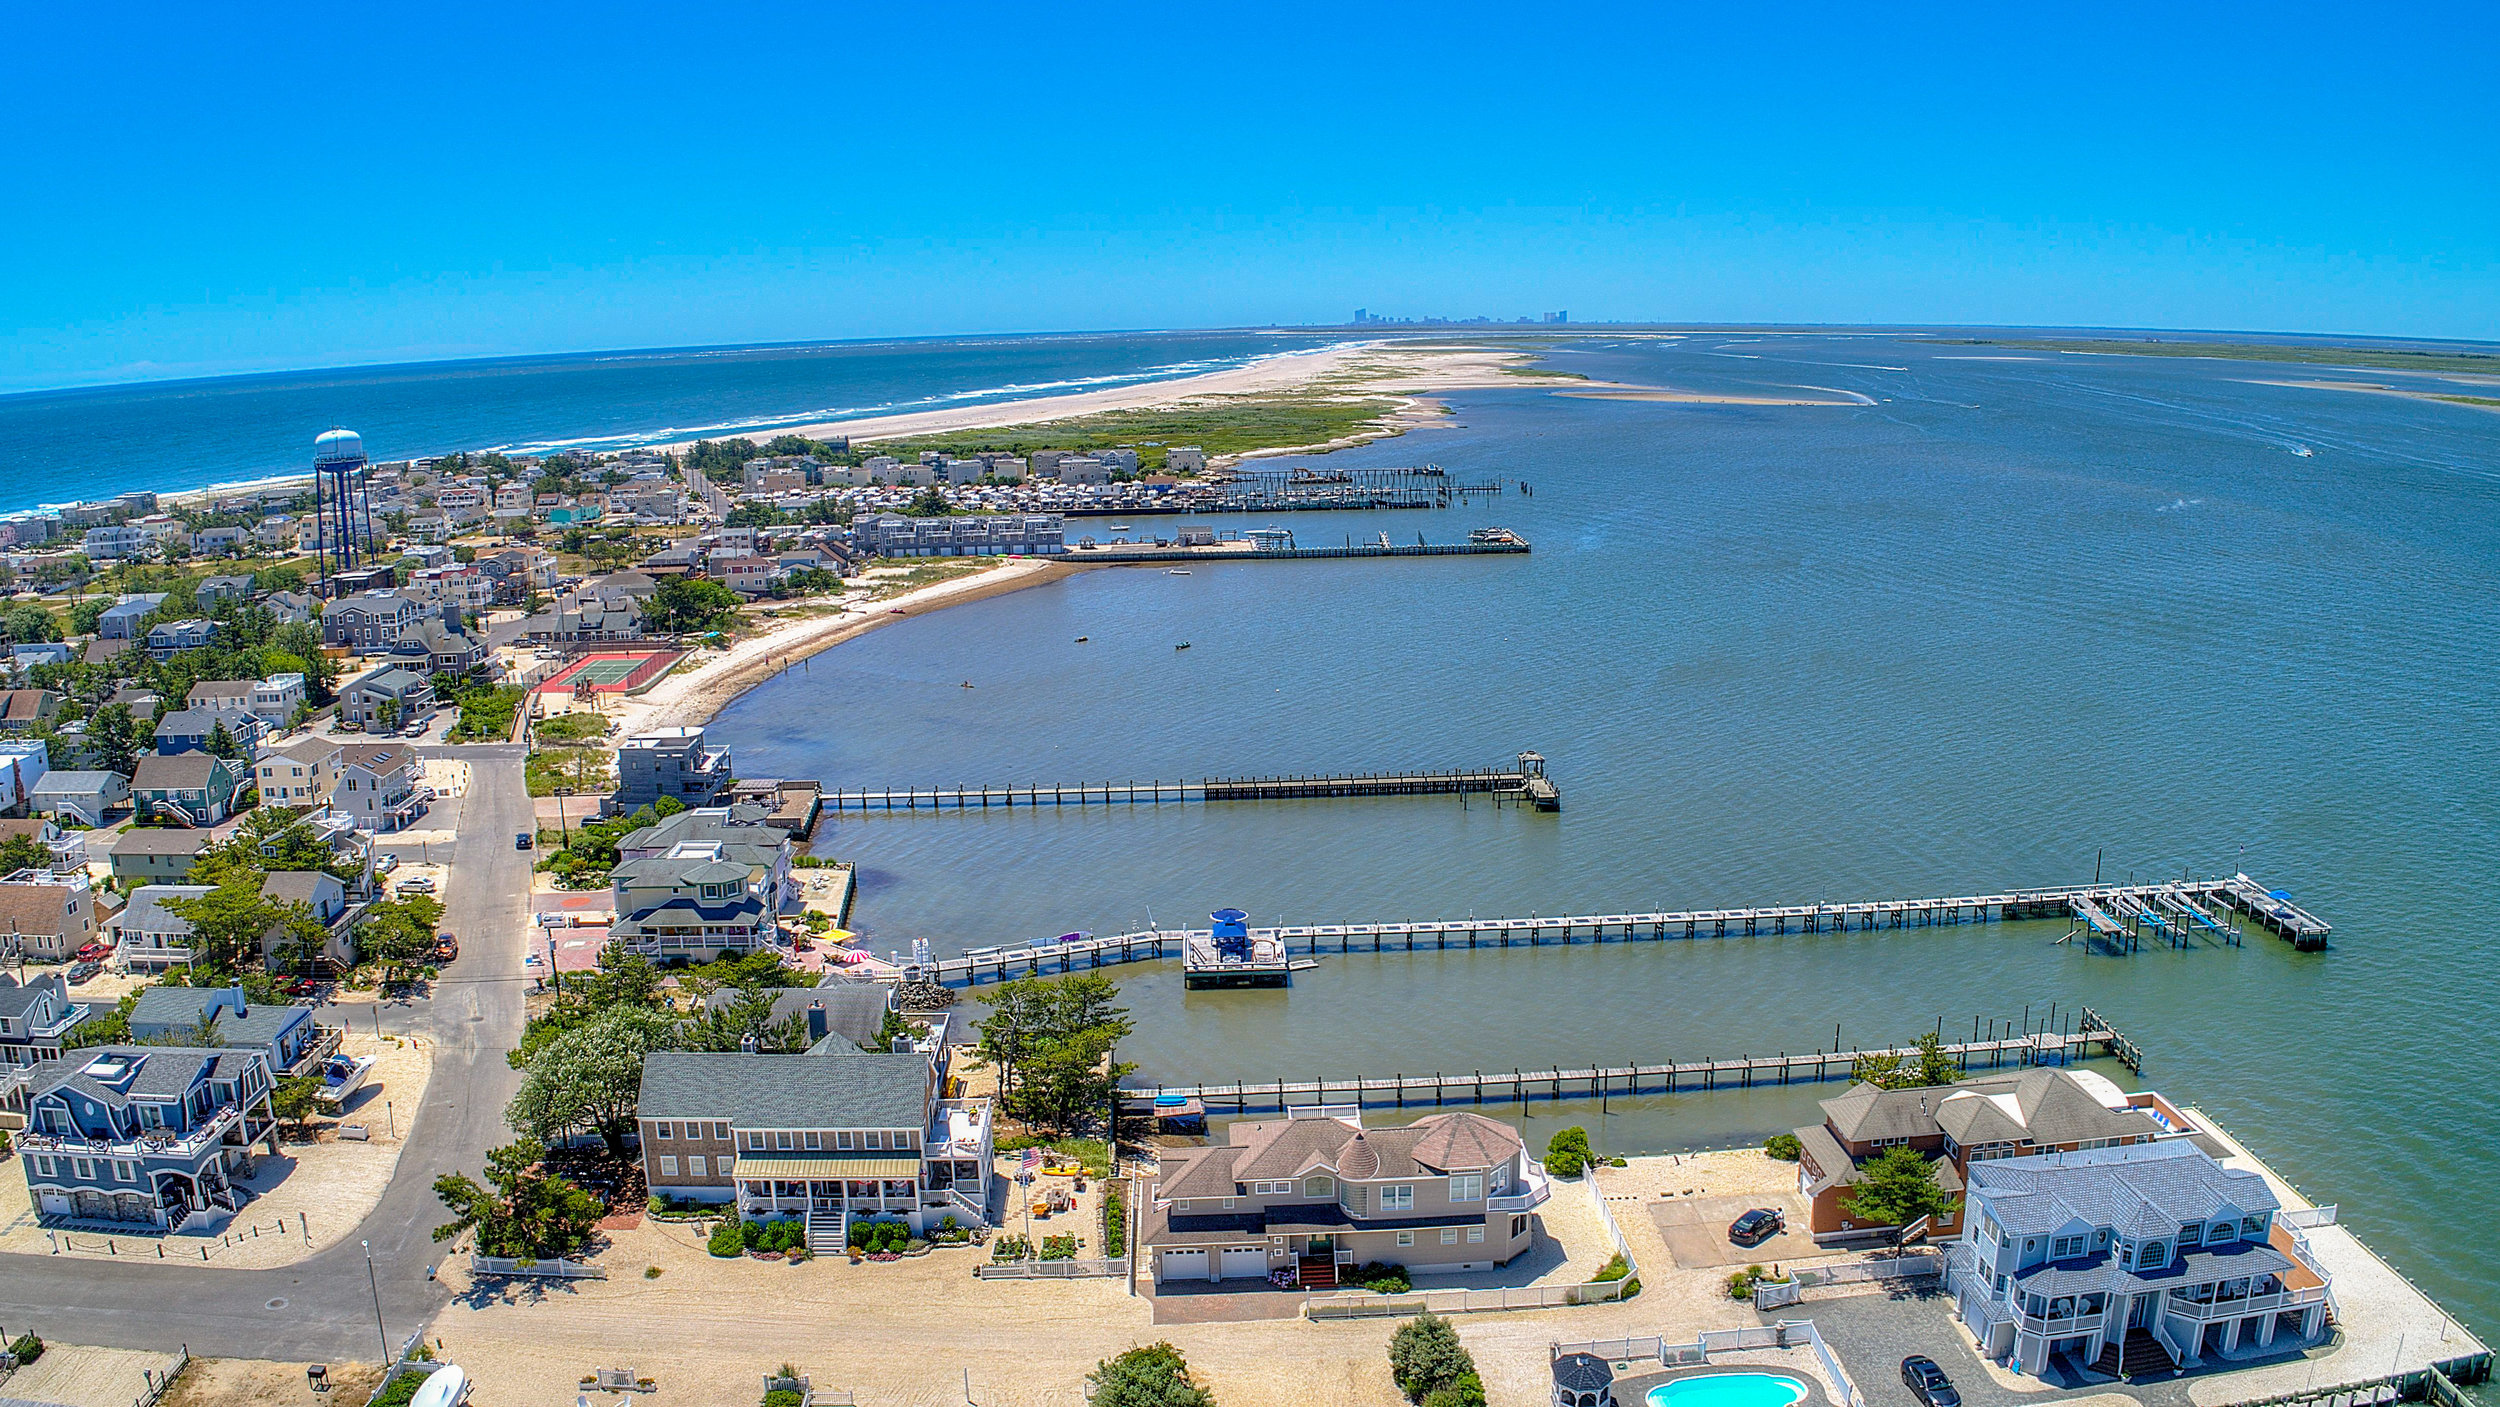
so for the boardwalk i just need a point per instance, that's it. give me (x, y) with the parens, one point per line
(2117, 915)
(2091, 1036)
(1524, 781)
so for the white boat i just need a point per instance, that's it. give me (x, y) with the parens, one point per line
(446, 1386)
(1176, 571)
(341, 1076)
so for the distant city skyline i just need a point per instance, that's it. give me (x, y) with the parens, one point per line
(290, 190)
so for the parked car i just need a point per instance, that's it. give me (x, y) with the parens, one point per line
(84, 970)
(446, 948)
(95, 952)
(523, 840)
(386, 864)
(417, 884)
(1756, 1227)
(1927, 1382)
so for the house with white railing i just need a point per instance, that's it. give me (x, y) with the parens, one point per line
(141, 1134)
(1317, 1190)
(2150, 1257)
(828, 1136)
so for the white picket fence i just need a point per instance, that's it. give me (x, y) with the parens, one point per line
(1779, 1294)
(1051, 1269)
(538, 1269)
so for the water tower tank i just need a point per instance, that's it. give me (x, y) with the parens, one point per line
(335, 446)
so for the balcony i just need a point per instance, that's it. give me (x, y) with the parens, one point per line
(1533, 1190)
(958, 1128)
(153, 1143)
(2219, 1308)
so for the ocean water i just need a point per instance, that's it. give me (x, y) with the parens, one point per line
(2017, 620)
(60, 446)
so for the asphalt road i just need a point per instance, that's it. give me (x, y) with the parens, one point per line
(323, 1308)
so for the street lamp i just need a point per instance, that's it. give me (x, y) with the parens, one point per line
(376, 1285)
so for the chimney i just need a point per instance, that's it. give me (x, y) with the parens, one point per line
(815, 1021)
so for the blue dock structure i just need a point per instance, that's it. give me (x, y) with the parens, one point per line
(2118, 915)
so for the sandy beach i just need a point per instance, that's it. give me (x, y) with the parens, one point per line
(1700, 398)
(2410, 393)
(692, 698)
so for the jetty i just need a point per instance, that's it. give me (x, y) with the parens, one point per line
(1278, 546)
(2090, 1036)
(1524, 781)
(2120, 917)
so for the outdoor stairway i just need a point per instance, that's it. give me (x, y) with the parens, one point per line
(825, 1232)
(2144, 1353)
(1318, 1272)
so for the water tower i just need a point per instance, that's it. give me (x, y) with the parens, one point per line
(342, 518)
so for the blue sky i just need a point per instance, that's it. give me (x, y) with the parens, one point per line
(199, 189)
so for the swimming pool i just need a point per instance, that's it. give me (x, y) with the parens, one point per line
(1729, 1390)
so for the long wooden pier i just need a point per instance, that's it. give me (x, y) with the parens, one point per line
(2090, 1036)
(1525, 781)
(2117, 915)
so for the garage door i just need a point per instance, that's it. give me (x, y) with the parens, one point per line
(1238, 1262)
(1185, 1265)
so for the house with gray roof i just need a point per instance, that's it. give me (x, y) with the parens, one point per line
(325, 897)
(2003, 1115)
(829, 1136)
(1307, 1194)
(853, 1012)
(85, 797)
(142, 1135)
(192, 730)
(386, 699)
(120, 620)
(2146, 1257)
(34, 1016)
(225, 1018)
(150, 937)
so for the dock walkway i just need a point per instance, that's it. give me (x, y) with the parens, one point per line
(2091, 1036)
(1525, 781)
(2082, 902)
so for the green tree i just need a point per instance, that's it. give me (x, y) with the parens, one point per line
(1895, 1188)
(293, 1098)
(928, 503)
(84, 616)
(103, 1027)
(590, 1077)
(748, 1014)
(30, 624)
(1068, 1079)
(1465, 1390)
(1154, 1375)
(1051, 1043)
(23, 852)
(227, 924)
(1426, 1356)
(301, 640)
(221, 743)
(521, 1212)
(1567, 1152)
(399, 935)
(1927, 1063)
(690, 606)
(116, 738)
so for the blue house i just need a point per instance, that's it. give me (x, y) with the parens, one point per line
(121, 620)
(223, 1017)
(144, 1135)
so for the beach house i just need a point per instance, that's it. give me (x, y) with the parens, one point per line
(2132, 1259)
(142, 1134)
(35, 1016)
(225, 1018)
(81, 796)
(1969, 1121)
(671, 762)
(149, 937)
(158, 854)
(1317, 1190)
(48, 914)
(386, 699)
(829, 1136)
(195, 788)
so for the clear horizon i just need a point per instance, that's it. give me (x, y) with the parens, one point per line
(292, 191)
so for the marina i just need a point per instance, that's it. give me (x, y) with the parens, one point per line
(2089, 1036)
(1525, 782)
(2116, 917)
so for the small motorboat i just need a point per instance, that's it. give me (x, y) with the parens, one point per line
(1083, 638)
(1182, 645)
(967, 684)
(341, 1076)
(1176, 571)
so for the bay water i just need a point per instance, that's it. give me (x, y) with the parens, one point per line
(2022, 618)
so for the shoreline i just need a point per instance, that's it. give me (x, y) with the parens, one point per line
(695, 698)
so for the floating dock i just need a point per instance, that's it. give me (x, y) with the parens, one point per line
(2080, 902)
(1524, 782)
(1228, 954)
(2091, 1036)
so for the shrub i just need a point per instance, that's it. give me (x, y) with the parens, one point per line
(1567, 1152)
(728, 1238)
(1114, 1222)
(1152, 1376)
(27, 1349)
(1740, 1285)
(1783, 1146)
(1059, 1248)
(1614, 1269)
(1427, 1360)
(1466, 1390)
(650, 1272)
(781, 1397)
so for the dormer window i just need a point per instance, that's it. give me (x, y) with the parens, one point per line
(2155, 1255)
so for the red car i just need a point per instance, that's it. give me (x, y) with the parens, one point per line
(95, 952)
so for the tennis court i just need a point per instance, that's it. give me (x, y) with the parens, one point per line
(612, 672)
